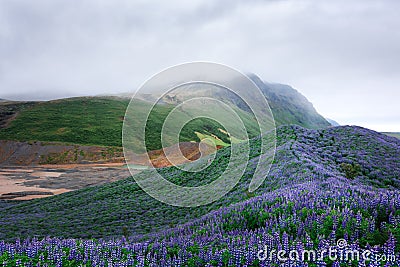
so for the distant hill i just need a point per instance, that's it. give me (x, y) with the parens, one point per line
(93, 121)
(332, 122)
(289, 106)
(98, 120)
(397, 135)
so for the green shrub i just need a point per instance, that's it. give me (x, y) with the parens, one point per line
(351, 170)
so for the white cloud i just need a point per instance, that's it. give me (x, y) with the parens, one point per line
(343, 55)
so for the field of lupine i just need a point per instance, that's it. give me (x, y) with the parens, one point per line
(325, 185)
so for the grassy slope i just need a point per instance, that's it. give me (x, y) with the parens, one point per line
(302, 156)
(206, 127)
(8, 110)
(93, 121)
(98, 121)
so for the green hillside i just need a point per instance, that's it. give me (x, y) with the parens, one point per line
(88, 120)
(98, 121)
(302, 156)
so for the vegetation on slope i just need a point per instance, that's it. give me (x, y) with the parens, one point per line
(302, 156)
(89, 121)
(98, 121)
(306, 202)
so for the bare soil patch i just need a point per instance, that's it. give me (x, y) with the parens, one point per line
(29, 182)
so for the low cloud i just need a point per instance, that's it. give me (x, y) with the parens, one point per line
(343, 55)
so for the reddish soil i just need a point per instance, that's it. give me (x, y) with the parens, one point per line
(35, 153)
(31, 170)
(174, 155)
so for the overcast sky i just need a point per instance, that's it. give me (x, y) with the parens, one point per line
(344, 56)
